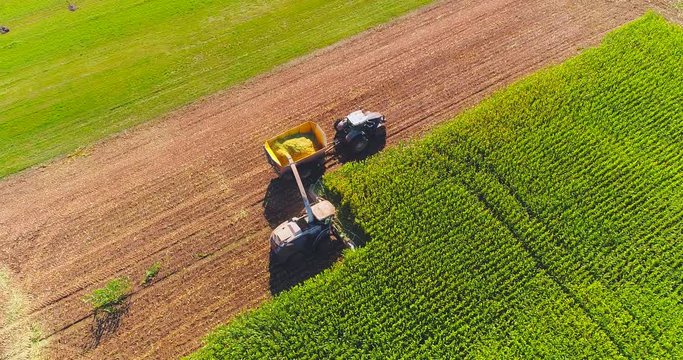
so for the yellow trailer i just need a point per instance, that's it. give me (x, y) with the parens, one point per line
(305, 144)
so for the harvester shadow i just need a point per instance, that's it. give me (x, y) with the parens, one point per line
(283, 200)
(105, 323)
(303, 266)
(281, 203)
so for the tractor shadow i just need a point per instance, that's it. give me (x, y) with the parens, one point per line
(376, 145)
(303, 266)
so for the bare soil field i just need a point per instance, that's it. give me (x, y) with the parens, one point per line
(194, 191)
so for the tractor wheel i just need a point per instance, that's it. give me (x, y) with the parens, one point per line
(336, 123)
(381, 132)
(359, 144)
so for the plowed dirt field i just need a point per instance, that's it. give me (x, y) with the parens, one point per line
(193, 190)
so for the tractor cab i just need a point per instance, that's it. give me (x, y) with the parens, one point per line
(354, 132)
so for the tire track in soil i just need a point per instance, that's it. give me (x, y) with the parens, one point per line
(180, 187)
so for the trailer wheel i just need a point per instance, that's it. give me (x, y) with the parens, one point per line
(288, 176)
(305, 171)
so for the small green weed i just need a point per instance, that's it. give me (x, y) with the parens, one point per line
(151, 273)
(109, 297)
(36, 334)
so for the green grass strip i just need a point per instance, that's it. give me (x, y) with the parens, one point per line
(70, 78)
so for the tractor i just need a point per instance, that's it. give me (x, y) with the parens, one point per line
(354, 132)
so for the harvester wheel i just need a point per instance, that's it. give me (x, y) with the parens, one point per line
(322, 237)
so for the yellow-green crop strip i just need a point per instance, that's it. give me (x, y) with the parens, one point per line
(544, 223)
(69, 78)
(20, 337)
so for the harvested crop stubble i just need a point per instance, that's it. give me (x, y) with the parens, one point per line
(544, 223)
(298, 146)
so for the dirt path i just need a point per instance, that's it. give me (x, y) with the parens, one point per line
(189, 190)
